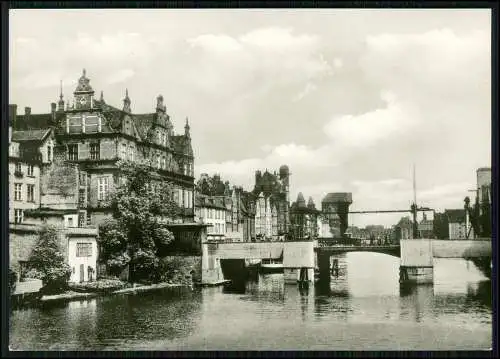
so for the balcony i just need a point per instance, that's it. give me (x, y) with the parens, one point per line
(19, 174)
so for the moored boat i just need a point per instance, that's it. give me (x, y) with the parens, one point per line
(270, 265)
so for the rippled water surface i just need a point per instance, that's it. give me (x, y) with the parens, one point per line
(362, 309)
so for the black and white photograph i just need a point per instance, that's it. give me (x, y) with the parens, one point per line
(249, 179)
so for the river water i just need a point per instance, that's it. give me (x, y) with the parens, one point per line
(362, 309)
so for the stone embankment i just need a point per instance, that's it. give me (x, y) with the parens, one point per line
(136, 288)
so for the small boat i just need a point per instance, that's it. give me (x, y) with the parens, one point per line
(271, 265)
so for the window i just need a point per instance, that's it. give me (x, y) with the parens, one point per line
(83, 178)
(89, 219)
(131, 153)
(70, 221)
(31, 170)
(17, 191)
(103, 188)
(84, 249)
(49, 153)
(158, 161)
(18, 216)
(94, 151)
(81, 196)
(163, 162)
(81, 219)
(74, 125)
(91, 124)
(18, 167)
(30, 192)
(73, 152)
(123, 151)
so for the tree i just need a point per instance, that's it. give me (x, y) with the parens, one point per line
(138, 233)
(12, 280)
(47, 262)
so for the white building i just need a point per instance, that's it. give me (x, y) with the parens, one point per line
(212, 211)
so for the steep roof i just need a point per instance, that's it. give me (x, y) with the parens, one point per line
(301, 202)
(182, 144)
(338, 197)
(210, 202)
(33, 121)
(30, 135)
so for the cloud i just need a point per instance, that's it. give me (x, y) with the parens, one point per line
(119, 76)
(425, 65)
(369, 128)
(258, 60)
(310, 87)
(118, 54)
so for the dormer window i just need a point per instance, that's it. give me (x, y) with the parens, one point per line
(74, 125)
(92, 124)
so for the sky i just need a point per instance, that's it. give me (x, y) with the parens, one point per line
(349, 99)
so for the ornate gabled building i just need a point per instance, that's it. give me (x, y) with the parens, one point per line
(95, 136)
(272, 202)
(303, 218)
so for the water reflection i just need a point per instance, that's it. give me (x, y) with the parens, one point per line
(362, 307)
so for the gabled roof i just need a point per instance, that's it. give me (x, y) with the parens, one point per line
(30, 135)
(144, 123)
(182, 144)
(338, 197)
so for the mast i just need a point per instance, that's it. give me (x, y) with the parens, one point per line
(414, 206)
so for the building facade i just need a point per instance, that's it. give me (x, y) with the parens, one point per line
(272, 204)
(457, 226)
(426, 227)
(303, 219)
(30, 153)
(335, 208)
(96, 136)
(211, 210)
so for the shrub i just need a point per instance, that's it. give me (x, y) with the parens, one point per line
(46, 262)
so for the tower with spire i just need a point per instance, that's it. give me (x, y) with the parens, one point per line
(60, 103)
(83, 94)
(126, 102)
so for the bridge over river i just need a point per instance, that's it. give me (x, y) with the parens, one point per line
(416, 256)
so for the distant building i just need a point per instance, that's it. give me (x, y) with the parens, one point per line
(211, 210)
(303, 218)
(335, 207)
(457, 228)
(484, 185)
(484, 201)
(404, 229)
(426, 228)
(272, 204)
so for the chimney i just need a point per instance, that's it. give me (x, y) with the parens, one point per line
(53, 108)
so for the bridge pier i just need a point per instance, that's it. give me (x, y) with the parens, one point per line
(324, 266)
(417, 265)
(298, 261)
(211, 271)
